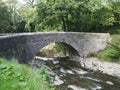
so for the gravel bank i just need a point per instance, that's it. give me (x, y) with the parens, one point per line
(95, 64)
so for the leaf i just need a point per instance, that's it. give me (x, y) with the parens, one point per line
(22, 83)
(8, 68)
(2, 66)
(18, 74)
(8, 74)
(21, 78)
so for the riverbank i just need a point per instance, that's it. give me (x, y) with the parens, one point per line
(15, 76)
(98, 65)
(67, 74)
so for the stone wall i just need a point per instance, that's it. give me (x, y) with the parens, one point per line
(24, 46)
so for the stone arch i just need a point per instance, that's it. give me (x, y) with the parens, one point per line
(70, 50)
(47, 43)
(37, 42)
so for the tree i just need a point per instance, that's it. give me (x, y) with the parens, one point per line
(5, 19)
(63, 15)
(10, 20)
(73, 15)
(13, 10)
(28, 15)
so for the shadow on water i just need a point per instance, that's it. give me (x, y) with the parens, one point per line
(68, 75)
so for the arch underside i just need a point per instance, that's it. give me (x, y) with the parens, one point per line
(70, 50)
(67, 50)
(39, 45)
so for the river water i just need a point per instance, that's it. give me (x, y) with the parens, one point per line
(69, 75)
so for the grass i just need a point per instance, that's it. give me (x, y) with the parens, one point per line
(111, 53)
(115, 31)
(14, 76)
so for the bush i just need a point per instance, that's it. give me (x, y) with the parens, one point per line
(14, 76)
(111, 53)
(113, 50)
(115, 30)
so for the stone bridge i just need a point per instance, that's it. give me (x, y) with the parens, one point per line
(24, 46)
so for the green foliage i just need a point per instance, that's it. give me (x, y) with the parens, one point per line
(28, 14)
(71, 15)
(5, 21)
(114, 48)
(10, 20)
(59, 15)
(107, 17)
(65, 49)
(14, 76)
(115, 30)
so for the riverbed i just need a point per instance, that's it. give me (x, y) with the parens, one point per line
(69, 75)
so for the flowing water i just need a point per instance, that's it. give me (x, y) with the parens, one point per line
(69, 75)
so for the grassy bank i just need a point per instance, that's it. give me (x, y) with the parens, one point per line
(112, 52)
(14, 76)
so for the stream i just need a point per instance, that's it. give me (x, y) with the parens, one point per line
(69, 75)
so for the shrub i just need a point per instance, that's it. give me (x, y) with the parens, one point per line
(111, 53)
(14, 76)
(113, 50)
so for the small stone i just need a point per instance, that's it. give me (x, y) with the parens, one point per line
(109, 82)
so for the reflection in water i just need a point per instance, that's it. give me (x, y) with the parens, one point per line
(68, 75)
